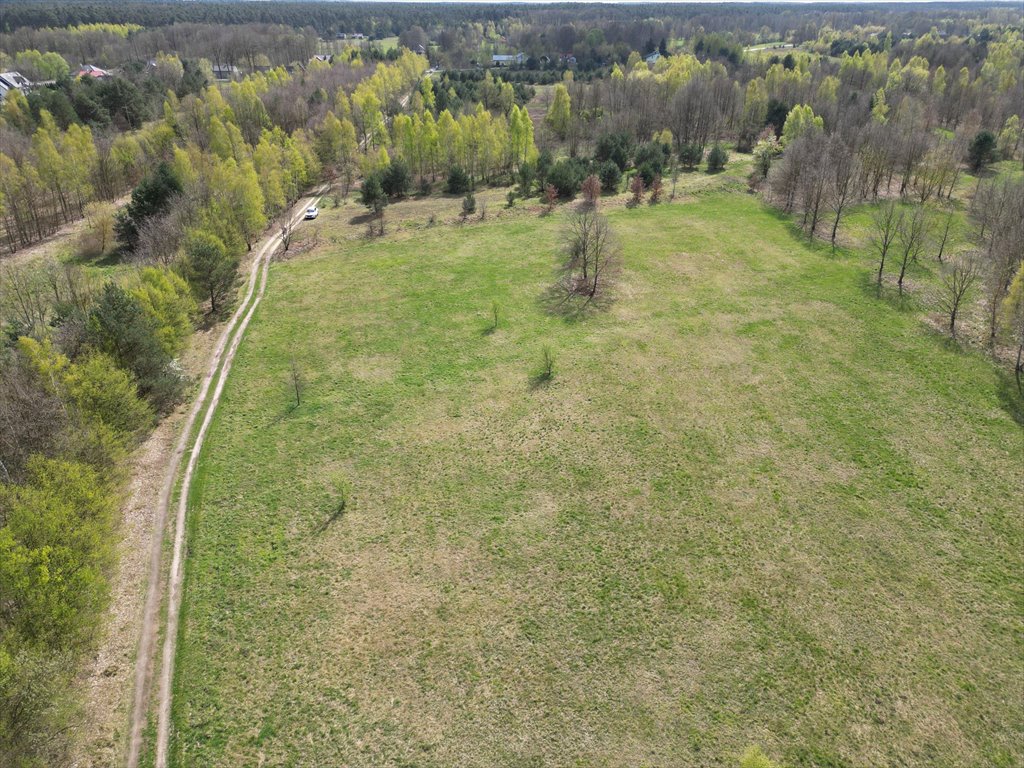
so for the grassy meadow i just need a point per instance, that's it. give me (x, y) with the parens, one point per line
(755, 505)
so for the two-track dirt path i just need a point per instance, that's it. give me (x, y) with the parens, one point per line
(206, 404)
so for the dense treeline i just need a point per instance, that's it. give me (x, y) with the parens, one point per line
(884, 123)
(108, 45)
(86, 367)
(50, 175)
(373, 19)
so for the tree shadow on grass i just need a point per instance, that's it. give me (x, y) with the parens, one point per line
(540, 380)
(1011, 399)
(336, 514)
(362, 218)
(572, 307)
(109, 259)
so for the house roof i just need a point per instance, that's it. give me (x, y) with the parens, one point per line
(88, 70)
(14, 80)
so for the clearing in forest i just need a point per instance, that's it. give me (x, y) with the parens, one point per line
(754, 505)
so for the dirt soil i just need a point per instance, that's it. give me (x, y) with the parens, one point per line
(106, 679)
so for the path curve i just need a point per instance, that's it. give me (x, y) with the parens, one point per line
(219, 367)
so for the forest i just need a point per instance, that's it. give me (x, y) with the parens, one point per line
(160, 143)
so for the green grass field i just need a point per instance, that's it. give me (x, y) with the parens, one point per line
(755, 505)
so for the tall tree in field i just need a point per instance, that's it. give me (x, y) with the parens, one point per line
(886, 223)
(844, 171)
(962, 274)
(912, 233)
(560, 112)
(592, 254)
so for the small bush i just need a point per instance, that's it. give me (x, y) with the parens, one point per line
(615, 148)
(566, 176)
(457, 182)
(550, 197)
(638, 188)
(546, 369)
(656, 191)
(650, 160)
(468, 205)
(591, 189)
(648, 172)
(717, 158)
(610, 175)
(527, 176)
(690, 155)
(396, 179)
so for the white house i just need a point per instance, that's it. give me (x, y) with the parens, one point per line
(13, 81)
(507, 59)
(652, 58)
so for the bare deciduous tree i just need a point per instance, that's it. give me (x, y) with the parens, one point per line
(592, 254)
(912, 234)
(945, 235)
(844, 181)
(956, 282)
(886, 223)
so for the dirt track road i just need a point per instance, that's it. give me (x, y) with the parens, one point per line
(205, 403)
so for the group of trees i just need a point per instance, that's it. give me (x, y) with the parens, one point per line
(904, 232)
(86, 368)
(83, 370)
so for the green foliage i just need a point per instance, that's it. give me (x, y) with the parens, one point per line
(167, 301)
(755, 758)
(396, 179)
(559, 113)
(982, 150)
(209, 269)
(468, 204)
(610, 175)
(614, 147)
(566, 176)
(527, 177)
(800, 120)
(372, 193)
(690, 155)
(93, 388)
(118, 326)
(650, 160)
(717, 158)
(150, 198)
(765, 152)
(775, 116)
(458, 182)
(56, 547)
